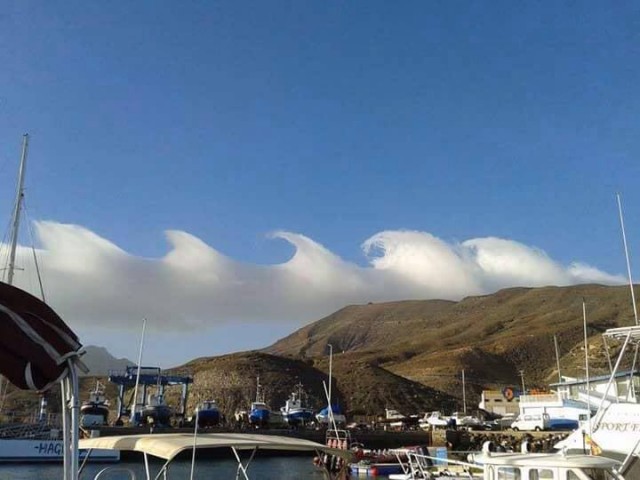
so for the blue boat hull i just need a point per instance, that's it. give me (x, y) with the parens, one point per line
(259, 417)
(299, 416)
(208, 418)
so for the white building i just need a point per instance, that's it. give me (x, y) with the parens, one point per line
(500, 402)
(556, 406)
(626, 388)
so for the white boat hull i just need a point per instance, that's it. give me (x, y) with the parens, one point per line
(25, 450)
(617, 433)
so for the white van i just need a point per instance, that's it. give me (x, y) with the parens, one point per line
(537, 421)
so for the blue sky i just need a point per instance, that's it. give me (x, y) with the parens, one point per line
(333, 120)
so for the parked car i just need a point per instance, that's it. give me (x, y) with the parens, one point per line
(536, 422)
(504, 422)
(489, 425)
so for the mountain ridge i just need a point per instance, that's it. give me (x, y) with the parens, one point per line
(409, 355)
(100, 361)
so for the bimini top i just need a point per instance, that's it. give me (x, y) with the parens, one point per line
(546, 460)
(36, 344)
(168, 445)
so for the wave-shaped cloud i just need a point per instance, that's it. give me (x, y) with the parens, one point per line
(91, 281)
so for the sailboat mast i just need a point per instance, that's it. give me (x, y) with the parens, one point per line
(17, 209)
(555, 342)
(132, 414)
(626, 256)
(586, 363)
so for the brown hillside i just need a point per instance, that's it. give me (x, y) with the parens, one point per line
(359, 387)
(491, 337)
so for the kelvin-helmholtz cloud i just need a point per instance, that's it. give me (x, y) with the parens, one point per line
(91, 281)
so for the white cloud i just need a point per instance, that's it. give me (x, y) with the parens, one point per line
(91, 281)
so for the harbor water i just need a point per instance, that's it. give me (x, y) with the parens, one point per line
(271, 468)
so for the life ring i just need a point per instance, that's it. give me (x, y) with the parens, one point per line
(507, 393)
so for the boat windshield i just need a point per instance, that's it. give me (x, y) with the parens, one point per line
(513, 473)
(593, 474)
(508, 473)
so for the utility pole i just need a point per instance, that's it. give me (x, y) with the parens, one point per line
(522, 377)
(464, 395)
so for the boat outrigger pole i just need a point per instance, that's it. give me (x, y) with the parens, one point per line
(16, 210)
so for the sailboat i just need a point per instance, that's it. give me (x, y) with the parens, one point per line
(614, 431)
(332, 414)
(39, 440)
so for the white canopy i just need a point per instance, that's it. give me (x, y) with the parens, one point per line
(168, 445)
(546, 460)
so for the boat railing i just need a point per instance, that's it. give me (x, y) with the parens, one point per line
(115, 469)
(425, 466)
(36, 431)
(338, 438)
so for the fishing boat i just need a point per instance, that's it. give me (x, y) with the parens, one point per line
(293, 412)
(95, 411)
(489, 465)
(156, 411)
(208, 414)
(259, 412)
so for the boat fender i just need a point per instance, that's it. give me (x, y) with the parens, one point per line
(488, 447)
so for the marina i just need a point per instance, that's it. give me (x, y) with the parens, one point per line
(367, 240)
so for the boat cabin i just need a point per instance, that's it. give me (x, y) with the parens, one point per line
(489, 465)
(553, 466)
